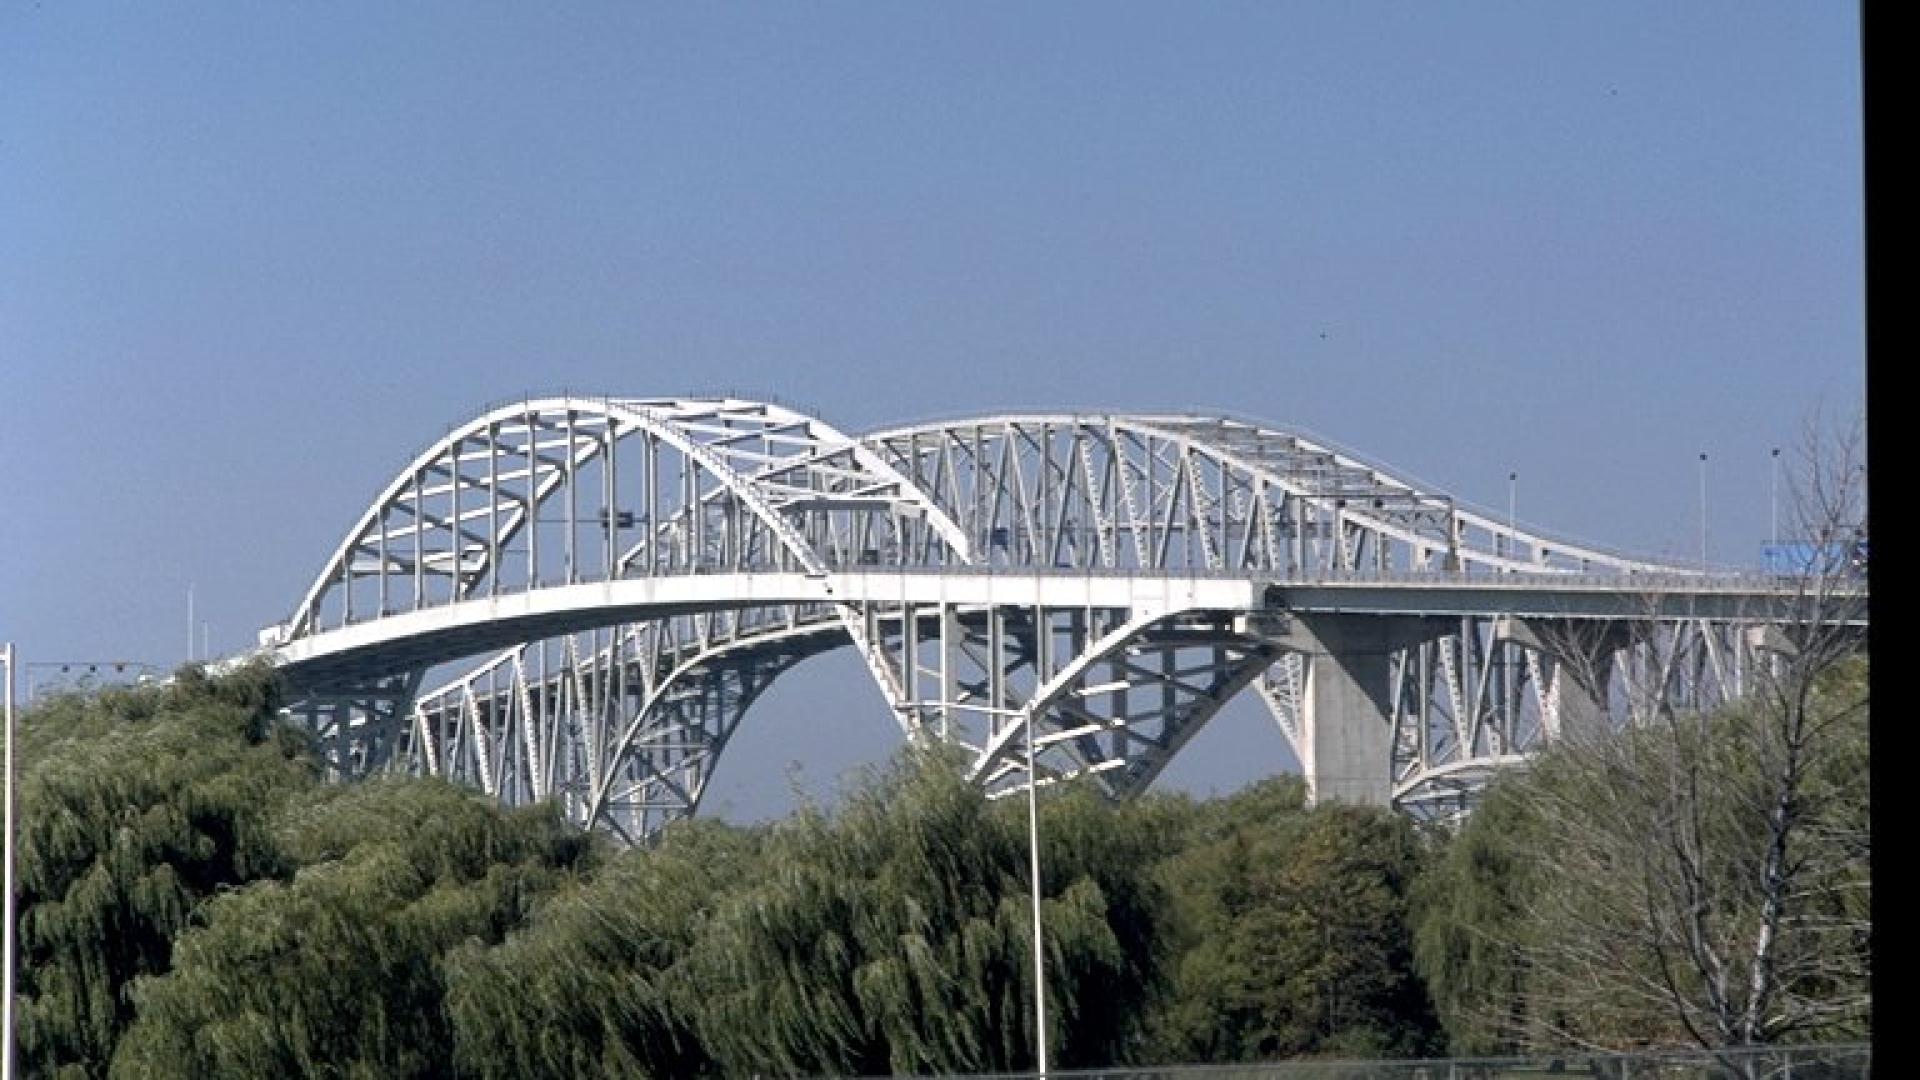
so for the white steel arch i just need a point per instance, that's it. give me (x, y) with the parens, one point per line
(1209, 493)
(650, 565)
(766, 458)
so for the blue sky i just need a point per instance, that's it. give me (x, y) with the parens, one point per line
(253, 257)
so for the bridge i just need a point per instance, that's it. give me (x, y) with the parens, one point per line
(578, 599)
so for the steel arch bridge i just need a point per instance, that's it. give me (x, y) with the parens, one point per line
(601, 588)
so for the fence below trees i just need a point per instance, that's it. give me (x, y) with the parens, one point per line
(1825, 1061)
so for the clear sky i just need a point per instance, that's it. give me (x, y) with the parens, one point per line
(253, 257)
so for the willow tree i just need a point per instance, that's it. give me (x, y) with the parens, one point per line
(1470, 926)
(894, 936)
(135, 806)
(593, 984)
(340, 971)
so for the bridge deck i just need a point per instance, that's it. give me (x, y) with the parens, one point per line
(437, 635)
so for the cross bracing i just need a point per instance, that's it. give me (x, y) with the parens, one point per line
(577, 600)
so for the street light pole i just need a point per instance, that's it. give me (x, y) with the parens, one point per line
(1513, 498)
(1033, 853)
(1703, 511)
(1773, 496)
(6, 1001)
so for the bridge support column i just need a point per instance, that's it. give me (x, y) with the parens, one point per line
(1347, 723)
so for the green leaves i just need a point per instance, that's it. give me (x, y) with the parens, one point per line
(1469, 926)
(590, 985)
(1296, 937)
(895, 936)
(890, 936)
(1699, 881)
(195, 902)
(135, 806)
(339, 969)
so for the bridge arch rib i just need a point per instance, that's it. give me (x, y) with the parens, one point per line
(652, 565)
(1207, 494)
(600, 724)
(541, 498)
(718, 486)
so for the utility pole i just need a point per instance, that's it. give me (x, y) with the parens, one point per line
(1033, 852)
(1703, 511)
(6, 990)
(1513, 499)
(1773, 496)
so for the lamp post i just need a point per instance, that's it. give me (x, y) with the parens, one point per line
(1513, 498)
(1773, 497)
(1033, 853)
(1703, 511)
(6, 1002)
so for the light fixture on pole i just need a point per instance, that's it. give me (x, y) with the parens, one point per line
(1513, 498)
(83, 672)
(1033, 853)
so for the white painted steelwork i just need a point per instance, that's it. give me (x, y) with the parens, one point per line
(649, 566)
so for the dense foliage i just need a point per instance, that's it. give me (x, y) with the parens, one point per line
(135, 808)
(1703, 880)
(195, 901)
(1294, 931)
(339, 971)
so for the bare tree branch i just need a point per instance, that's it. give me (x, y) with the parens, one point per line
(1705, 876)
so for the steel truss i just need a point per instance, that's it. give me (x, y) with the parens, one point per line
(650, 566)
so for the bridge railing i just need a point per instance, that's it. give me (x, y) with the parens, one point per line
(1720, 582)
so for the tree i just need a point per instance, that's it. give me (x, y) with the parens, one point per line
(893, 935)
(1295, 934)
(594, 984)
(340, 971)
(1470, 908)
(135, 806)
(1702, 877)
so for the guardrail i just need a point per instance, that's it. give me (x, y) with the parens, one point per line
(1549, 579)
